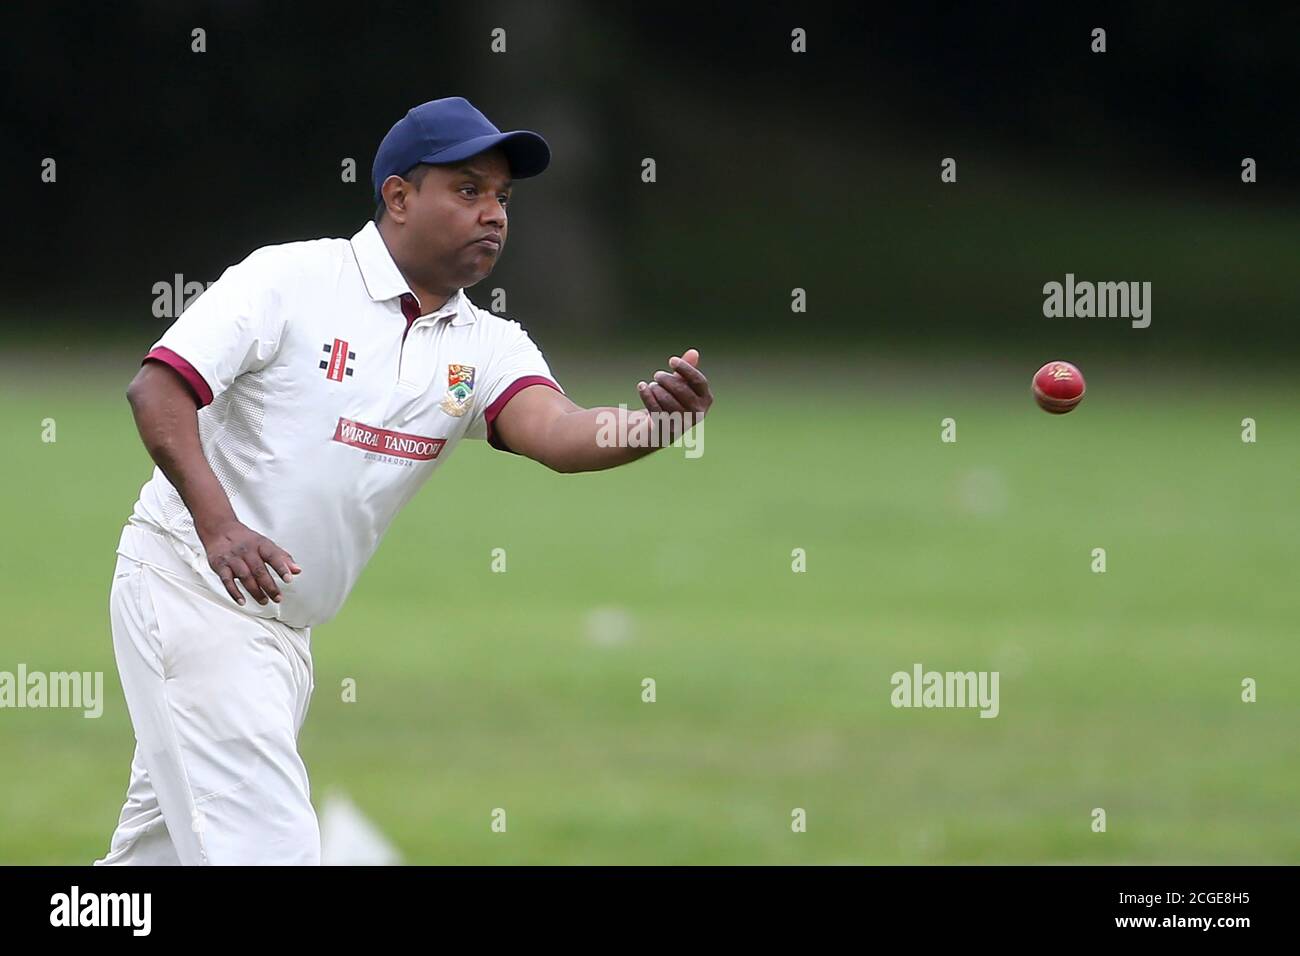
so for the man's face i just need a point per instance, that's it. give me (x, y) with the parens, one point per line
(451, 212)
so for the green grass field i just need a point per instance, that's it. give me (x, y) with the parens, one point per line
(479, 690)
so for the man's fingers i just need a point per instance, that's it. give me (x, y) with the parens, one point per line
(240, 572)
(692, 357)
(266, 581)
(280, 560)
(648, 397)
(682, 393)
(227, 576)
(665, 398)
(245, 575)
(690, 374)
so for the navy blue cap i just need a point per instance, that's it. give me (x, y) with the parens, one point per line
(449, 130)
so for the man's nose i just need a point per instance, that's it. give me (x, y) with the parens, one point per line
(495, 213)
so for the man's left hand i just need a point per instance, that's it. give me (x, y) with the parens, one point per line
(684, 390)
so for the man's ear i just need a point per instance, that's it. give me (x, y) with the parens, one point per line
(394, 192)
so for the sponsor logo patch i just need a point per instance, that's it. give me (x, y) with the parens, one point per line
(397, 444)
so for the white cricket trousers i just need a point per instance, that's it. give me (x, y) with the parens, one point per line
(217, 698)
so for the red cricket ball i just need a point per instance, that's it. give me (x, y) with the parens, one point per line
(1058, 387)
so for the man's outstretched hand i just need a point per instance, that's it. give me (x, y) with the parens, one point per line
(684, 389)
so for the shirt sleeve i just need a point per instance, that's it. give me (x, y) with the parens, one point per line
(517, 364)
(234, 327)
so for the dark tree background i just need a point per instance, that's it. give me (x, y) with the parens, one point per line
(776, 170)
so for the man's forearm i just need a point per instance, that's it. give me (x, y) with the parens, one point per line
(545, 425)
(592, 439)
(166, 417)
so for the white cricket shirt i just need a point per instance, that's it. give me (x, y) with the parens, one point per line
(326, 402)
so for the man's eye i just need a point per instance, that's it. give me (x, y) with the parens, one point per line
(470, 188)
(504, 199)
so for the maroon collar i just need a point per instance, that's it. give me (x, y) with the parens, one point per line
(410, 309)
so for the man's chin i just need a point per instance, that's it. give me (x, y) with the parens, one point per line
(472, 279)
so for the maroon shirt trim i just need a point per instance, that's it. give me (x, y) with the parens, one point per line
(411, 310)
(202, 394)
(493, 410)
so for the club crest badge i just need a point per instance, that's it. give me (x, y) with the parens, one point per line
(460, 389)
